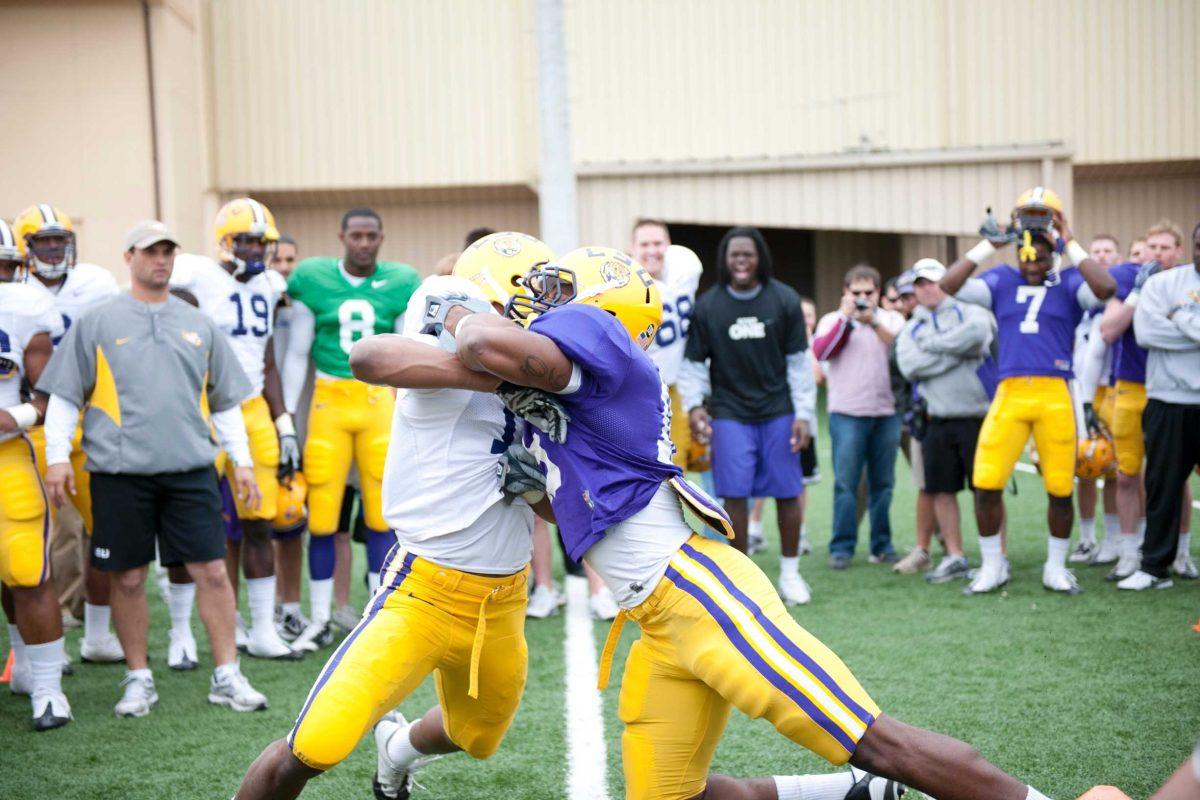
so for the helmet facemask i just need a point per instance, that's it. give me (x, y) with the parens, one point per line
(547, 286)
(51, 254)
(249, 254)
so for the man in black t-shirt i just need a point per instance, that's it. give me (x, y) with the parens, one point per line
(749, 328)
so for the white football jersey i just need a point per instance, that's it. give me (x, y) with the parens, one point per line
(678, 284)
(24, 313)
(85, 286)
(243, 310)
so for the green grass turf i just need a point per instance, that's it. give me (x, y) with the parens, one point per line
(1063, 692)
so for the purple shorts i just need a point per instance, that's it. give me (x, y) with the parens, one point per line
(755, 459)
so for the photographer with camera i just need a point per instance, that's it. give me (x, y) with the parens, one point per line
(945, 349)
(864, 427)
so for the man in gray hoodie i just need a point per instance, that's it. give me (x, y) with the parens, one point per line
(945, 349)
(1166, 321)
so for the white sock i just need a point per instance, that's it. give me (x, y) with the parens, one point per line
(20, 659)
(989, 549)
(1112, 526)
(95, 622)
(813, 787)
(320, 600)
(789, 565)
(1056, 552)
(225, 671)
(1129, 545)
(372, 583)
(260, 592)
(400, 749)
(180, 597)
(140, 674)
(756, 527)
(290, 608)
(1185, 543)
(45, 664)
(1087, 531)
(1034, 794)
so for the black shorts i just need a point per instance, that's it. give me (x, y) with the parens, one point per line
(182, 510)
(948, 449)
(808, 463)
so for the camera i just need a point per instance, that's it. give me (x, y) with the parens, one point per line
(861, 304)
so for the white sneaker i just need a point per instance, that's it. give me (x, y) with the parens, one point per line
(393, 782)
(315, 636)
(139, 697)
(1083, 553)
(241, 633)
(1140, 581)
(345, 618)
(1060, 579)
(542, 603)
(603, 605)
(805, 544)
(289, 625)
(181, 651)
(793, 589)
(103, 651)
(755, 543)
(1109, 551)
(235, 692)
(1126, 566)
(267, 644)
(988, 578)
(1184, 567)
(50, 710)
(20, 681)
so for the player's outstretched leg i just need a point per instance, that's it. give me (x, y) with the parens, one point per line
(854, 784)
(275, 775)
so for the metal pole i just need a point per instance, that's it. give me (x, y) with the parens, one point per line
(558, 215)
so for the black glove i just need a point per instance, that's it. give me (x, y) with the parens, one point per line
(1148, 271)
(1092, 422)
(521, 475)
(537, 408)
(289, 457)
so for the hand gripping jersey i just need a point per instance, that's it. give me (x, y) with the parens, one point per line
(243, 310)
(85, 286)
(1129, 358)
(1036, 324)
(678, 284)
(24, 313)
(346, 312)
(617, 451)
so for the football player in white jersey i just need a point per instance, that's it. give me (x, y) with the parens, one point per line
(27, 322)
(51, 267)
(453, 593)
(240, 294)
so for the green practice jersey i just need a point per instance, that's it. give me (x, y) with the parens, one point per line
(346, 313)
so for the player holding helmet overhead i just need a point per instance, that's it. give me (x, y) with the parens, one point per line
(51, 267)
(1038, 306)
(239, 293)
(27, 322)
(453, 602)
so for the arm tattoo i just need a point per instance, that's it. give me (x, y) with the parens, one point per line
(535, 367)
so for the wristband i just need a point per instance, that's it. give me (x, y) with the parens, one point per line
(25, 415)
(981, 252)
(458, 329)
(1131, 299)
(284, 425)
(1076, 253)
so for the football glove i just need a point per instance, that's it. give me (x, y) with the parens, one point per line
(537, 408)
(1092, 422)
(521, 476)
(289, 456)
(1148, 271)
(433, 318)
(991, 230)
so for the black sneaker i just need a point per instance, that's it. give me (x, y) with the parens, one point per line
(950, 568)
(872, 787)
(839, 561)
(889, 557)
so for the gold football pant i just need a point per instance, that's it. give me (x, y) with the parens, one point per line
(82, 499)
(24, 521)
(1037, 405)
(264, 452)
(1128, 401)
(467, 629)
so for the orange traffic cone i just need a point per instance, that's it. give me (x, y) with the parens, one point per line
(7, 676)
(1195, 627)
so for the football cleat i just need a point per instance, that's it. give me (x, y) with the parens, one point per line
(106, 650)
(915, 561)
(1185, 567)
(393, 781)
(1083, 553)
(314, 637)
(345, 618)
(1126, 566)
(988, 578)
(181, 651)
(139, 697)
(235, 692)
(269, 645)
(1109, 551)
(50, 710)
(289, 624)
(755, 543)
(603, 605)
(793, 589)
(543, 603)
(1060, 579)
(950, 568)
(20, 679)
(873, 787)
(1140, 581)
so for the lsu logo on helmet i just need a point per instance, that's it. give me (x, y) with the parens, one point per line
(497, 263)
(47, 238)
(290, 502)
(1094, 457)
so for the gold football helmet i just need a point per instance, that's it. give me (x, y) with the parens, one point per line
(12, 255)
(47, 236)
(290, 501)
(497, 263)
(246, 235)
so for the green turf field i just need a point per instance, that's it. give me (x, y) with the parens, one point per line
(1064, 692)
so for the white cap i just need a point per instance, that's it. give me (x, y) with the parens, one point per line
(930, 269)
(147, 233)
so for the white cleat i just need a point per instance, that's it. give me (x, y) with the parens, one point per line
(241, 633)
(50, 710)
(235, 692)
(1108, 552)
(543, 602)
(345, 618)
(106, 650)
(755, 543)
(603, 605)
(794, 589)
(393, 781)
(267, 644)
(314, 637)
(140, 696)
(989, 578)
(1184, 567)
(181, 651)
(1083, 553)
(1060, 579)
(1140, 581)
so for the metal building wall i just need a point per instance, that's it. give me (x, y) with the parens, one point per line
(1127, 206)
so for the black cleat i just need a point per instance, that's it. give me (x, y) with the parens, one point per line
(873, 787)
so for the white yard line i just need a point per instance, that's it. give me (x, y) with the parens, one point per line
(587, 761)
(1021, 465)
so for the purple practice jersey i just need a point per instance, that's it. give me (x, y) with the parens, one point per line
(1129, 358)
(617, 451)
(1036, 324)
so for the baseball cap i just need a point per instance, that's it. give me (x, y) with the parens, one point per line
(146, 233)
(904, 283)
(928, 268)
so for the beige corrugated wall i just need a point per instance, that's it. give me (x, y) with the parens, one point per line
(1126, 207)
